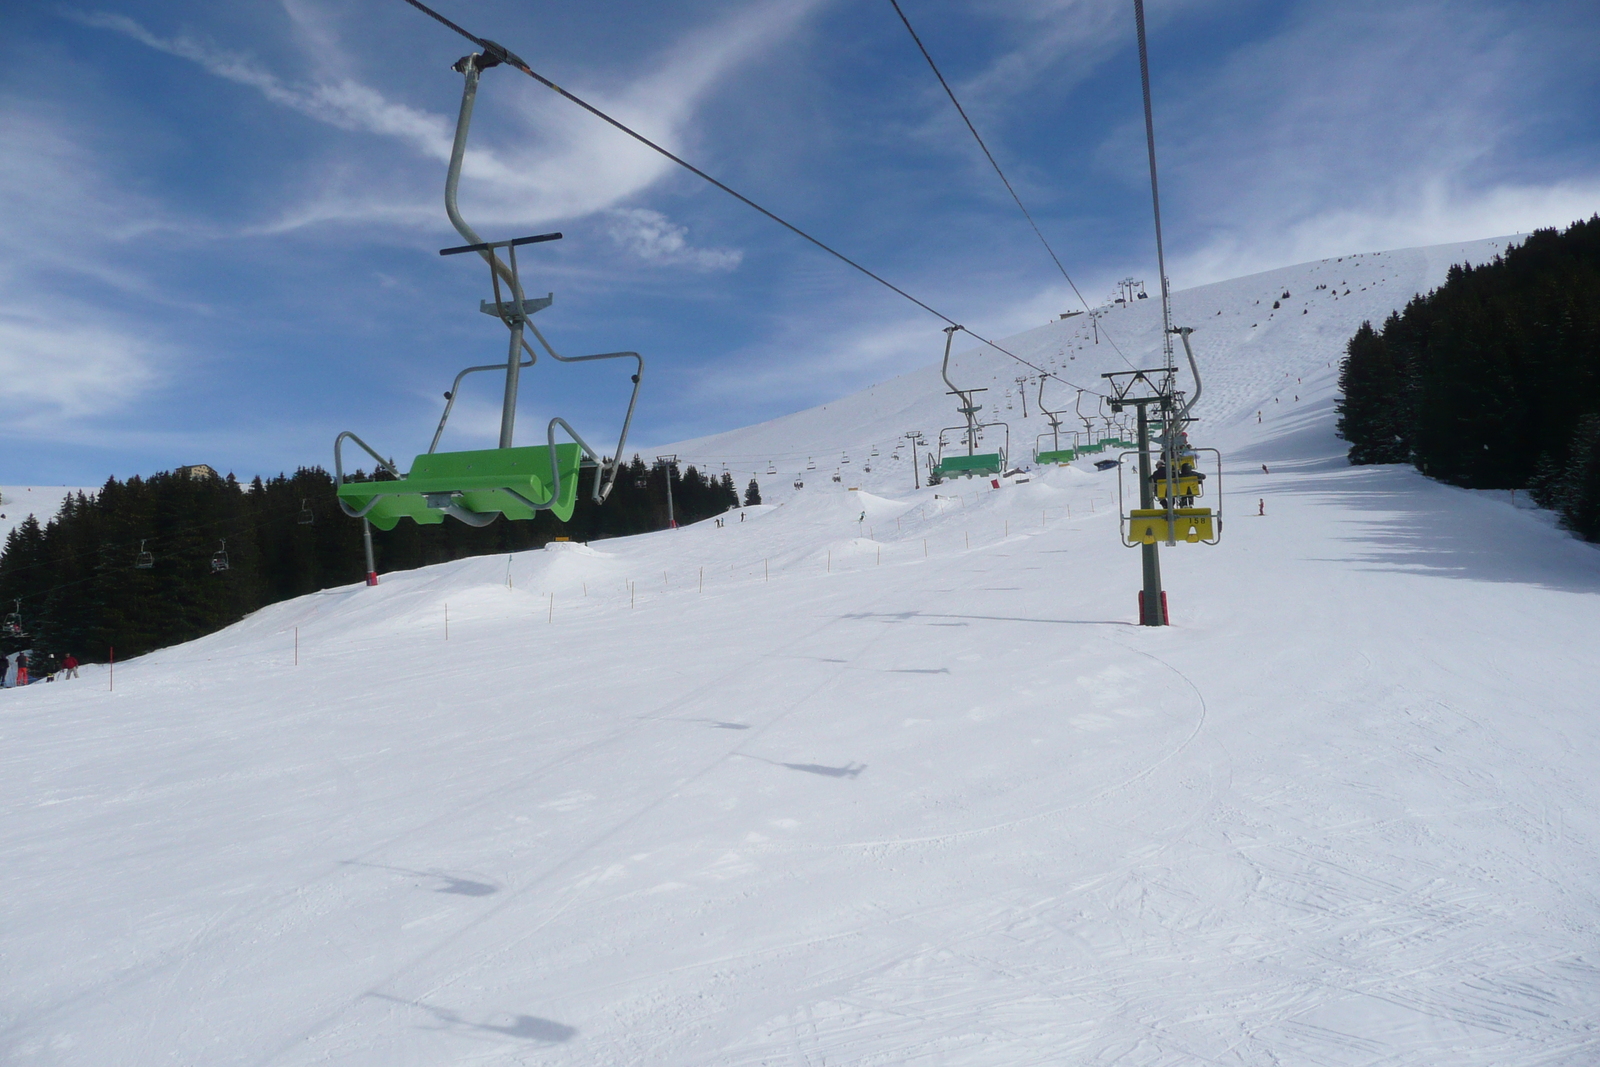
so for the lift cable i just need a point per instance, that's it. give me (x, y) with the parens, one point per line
(501, 54)
(1155, 191)
(996, 165)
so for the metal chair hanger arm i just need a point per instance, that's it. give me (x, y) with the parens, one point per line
(455, 388)
(601, 494)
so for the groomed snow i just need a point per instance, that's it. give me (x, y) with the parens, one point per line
(875, 777)
(17, 502)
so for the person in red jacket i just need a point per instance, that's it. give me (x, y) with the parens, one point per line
(69, 667)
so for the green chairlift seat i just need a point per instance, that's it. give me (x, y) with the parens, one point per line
(1064, 455)
(514, 482)
(975, 466)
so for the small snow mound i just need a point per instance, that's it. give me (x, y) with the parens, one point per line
(576, 548)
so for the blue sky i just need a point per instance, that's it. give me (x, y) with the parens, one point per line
(220, 221)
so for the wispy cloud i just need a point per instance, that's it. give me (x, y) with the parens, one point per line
(562, 165)
(54, 371)
(1060, 41)
(653, 237)
(1373, 125)
(344, 103)
(66, 354)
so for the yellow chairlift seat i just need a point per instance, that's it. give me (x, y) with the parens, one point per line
(1149, 525)
(1186, 484)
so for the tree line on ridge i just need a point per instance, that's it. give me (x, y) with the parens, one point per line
(82, 588)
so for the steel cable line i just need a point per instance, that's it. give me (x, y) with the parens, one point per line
(501, 54)
(996, 165)
(1155, 191)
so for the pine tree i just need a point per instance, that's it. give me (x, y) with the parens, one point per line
(752, 494)
(1371, 411)
(1580, 505)
(1486, 381)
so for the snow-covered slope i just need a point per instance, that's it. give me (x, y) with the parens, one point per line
(1254, 357)
(874, 777)
(17, 502)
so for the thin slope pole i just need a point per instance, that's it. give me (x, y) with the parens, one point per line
(366, 541)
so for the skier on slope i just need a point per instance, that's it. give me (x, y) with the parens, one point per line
(69, 666)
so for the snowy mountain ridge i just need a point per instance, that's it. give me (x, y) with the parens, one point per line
(1247, 351)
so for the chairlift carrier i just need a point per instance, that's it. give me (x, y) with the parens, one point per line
(1055, 453)
(476, 487)
(974, 463)
(1176, 481)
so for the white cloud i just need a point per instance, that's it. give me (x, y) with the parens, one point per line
(655, 238)
(344, 103)
(65, 353)
(1374, 125)
(55, 371)
(565, 164)
(1064, 39)
(1437, 213)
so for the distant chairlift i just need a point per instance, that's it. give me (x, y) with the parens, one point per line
(13, 625)
(1055, 453)
(219, 561)
(478, 487)
(973, 463)
(145, 560)
(305, 518)
(1090, 440)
